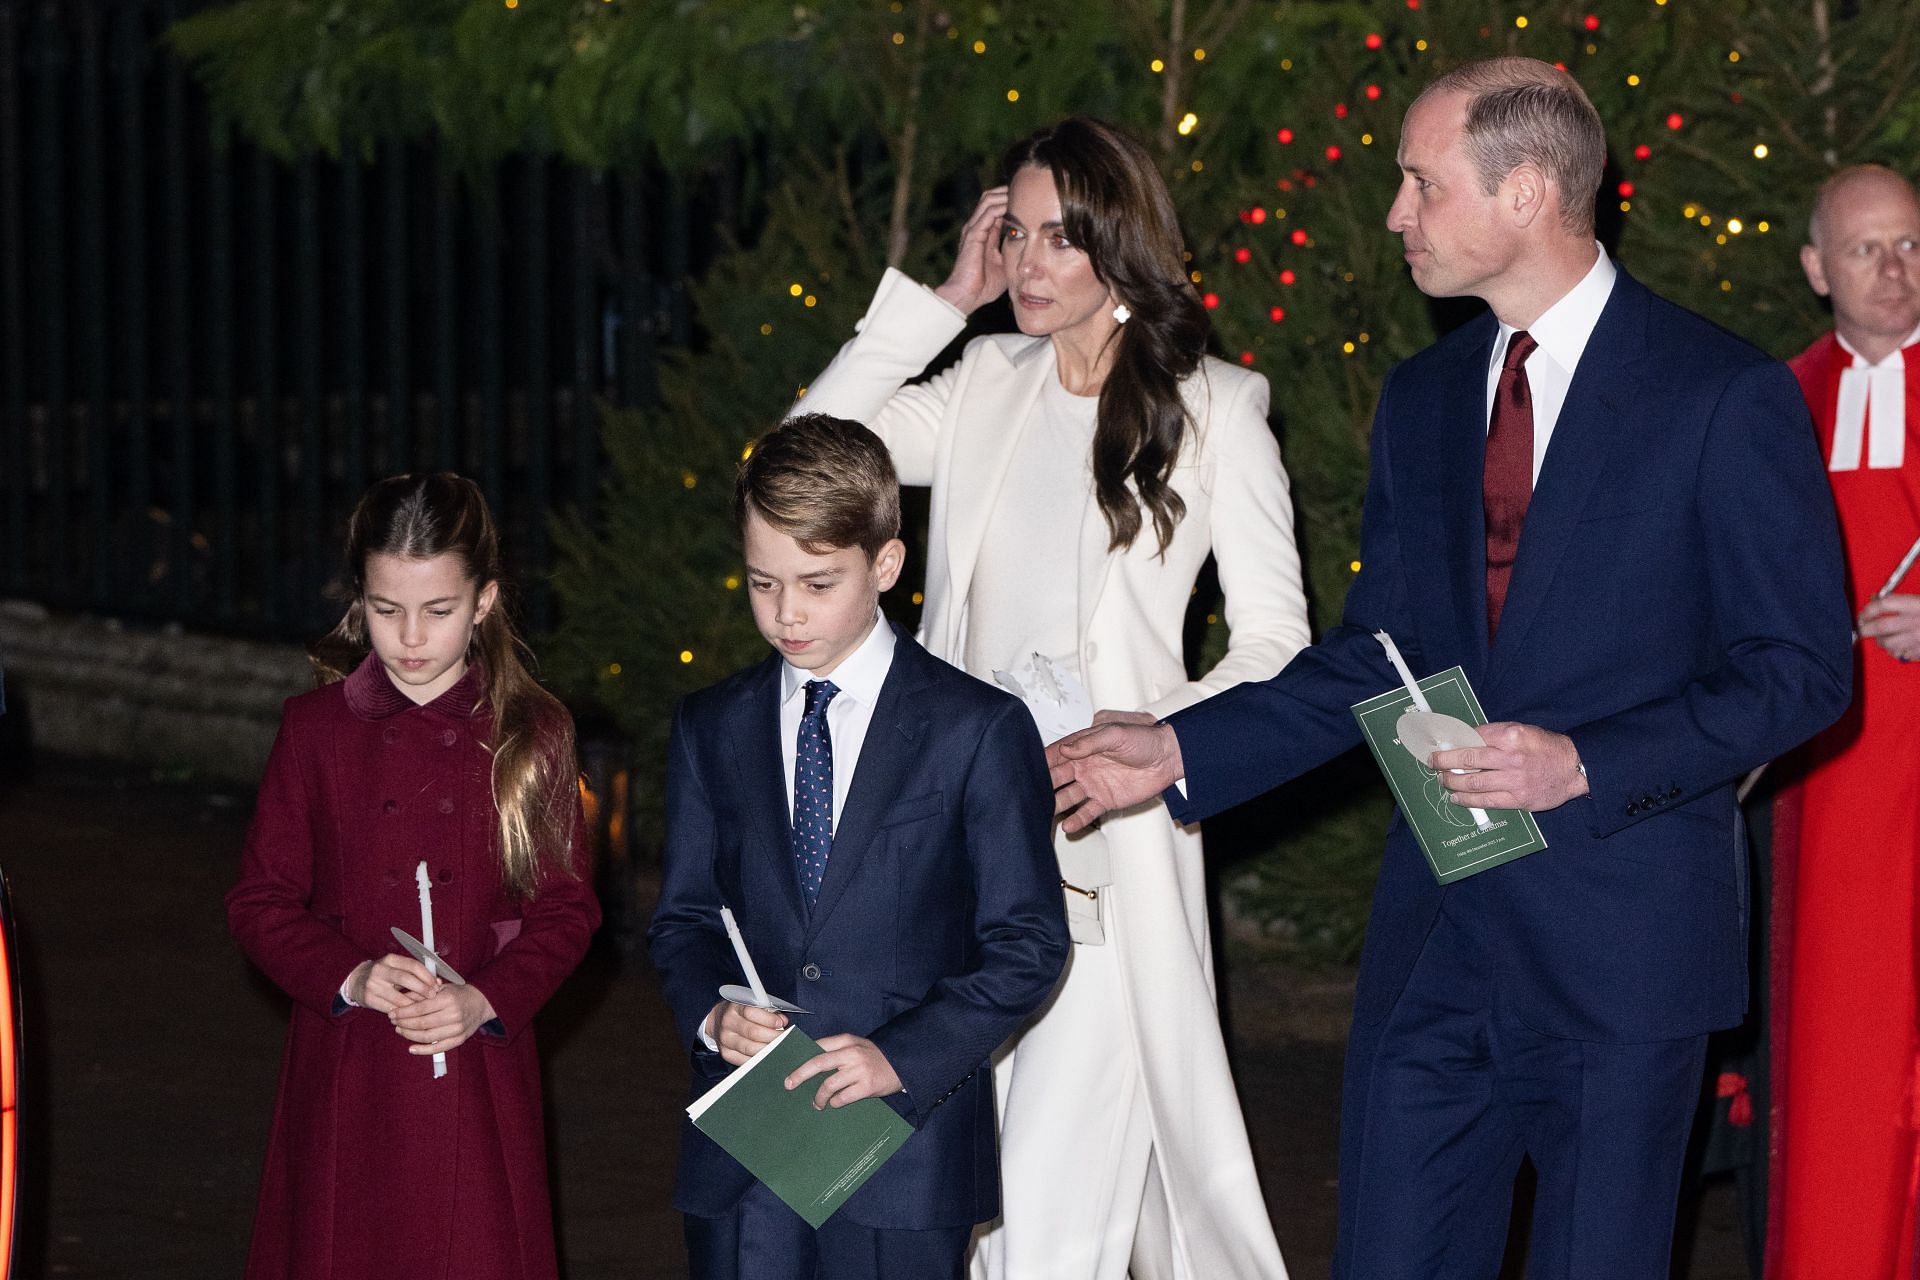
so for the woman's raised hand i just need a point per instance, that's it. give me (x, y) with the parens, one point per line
(977, 276)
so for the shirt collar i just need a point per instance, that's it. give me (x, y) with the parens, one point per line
(1894, 358)
(1563, 328)
(859, 675)
(372, 695)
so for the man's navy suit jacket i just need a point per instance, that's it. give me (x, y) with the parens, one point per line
(1676, 608)
(938, 928)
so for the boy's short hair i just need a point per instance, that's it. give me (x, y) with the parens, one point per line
(825, 482)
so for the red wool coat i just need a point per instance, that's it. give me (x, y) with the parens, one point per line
(375, 1169)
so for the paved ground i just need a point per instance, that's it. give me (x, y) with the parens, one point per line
(153, 1052)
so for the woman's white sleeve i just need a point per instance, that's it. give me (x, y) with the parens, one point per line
(1251, 527)
(906, 325)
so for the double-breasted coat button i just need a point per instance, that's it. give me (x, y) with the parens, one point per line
(811, 972)
(391, 806)
(448, 737)
(446, 875)
(1632, 808)
(390, 734)
(446, 804)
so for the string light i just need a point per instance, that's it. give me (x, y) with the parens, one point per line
(1735, 226)
(979, 46)
(1199, 55)
(1187, 124)
(1013, 95)
(1760, 151)
(1157, 66)
(899, 37)
(613, 668)
(686, 656)
(1521, 22)
(795, 289)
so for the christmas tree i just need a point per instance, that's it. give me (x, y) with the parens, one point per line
(859, 133)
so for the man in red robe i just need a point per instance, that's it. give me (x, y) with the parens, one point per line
(1848, 824)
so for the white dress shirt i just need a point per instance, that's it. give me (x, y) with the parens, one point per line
(858, 677)
(1872, 410)
(1562, 332)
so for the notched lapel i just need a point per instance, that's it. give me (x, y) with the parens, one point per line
(893, 741)
(754, 728)
(1459, 455)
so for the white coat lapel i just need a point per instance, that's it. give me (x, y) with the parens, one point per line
(996, 414)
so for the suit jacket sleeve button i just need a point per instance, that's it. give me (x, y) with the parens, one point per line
(811, 973)
(1632, 808)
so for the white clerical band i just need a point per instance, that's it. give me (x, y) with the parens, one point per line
(1872, 409)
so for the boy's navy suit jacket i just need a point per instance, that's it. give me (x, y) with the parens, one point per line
(938, 928)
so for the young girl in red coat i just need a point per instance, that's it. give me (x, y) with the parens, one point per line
(428, 742)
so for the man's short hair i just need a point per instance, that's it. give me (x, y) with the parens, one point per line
(1522, 111)
(1823, 199)
(825, 482)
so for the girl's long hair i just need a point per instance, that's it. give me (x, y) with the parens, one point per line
(1115, 207)
(535, 780)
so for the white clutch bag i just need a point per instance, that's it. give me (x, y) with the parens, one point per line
(1086, 877)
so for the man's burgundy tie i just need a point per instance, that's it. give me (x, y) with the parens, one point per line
(1506, 484)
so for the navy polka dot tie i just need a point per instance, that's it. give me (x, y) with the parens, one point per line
(813, 789)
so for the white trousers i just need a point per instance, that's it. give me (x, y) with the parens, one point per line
(1080, 1197)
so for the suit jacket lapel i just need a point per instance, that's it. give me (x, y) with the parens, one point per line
(760, 768)
(998, 405)
(885, 758)
(1599, 402)
(1459, 458)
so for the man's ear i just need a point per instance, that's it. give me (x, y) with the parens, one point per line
(888, 562)
(1526, 194)
(1815, 269)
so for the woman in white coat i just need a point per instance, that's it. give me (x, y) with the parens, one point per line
(1082, 470)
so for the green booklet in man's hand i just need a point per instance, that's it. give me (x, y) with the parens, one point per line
(1457, 845)
(811, 1159)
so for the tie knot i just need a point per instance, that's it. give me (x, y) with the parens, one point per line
(1519, 347)
(819, 694)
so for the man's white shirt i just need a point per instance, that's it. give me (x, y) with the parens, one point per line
(1562, 332)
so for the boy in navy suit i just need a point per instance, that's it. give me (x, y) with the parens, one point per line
(879, 822)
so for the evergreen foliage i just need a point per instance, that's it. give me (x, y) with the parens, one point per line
(860, 132)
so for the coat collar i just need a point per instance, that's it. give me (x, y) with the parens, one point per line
(372, 695)
(1001, 406)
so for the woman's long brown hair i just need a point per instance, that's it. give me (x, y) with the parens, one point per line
(1115, 208)
(535, 781)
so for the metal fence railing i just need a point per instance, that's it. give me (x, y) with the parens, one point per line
(206, 354)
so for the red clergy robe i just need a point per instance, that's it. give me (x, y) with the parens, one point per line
(1847, 832)
(374, 1169)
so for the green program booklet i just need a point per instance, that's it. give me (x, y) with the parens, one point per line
(1455, 847)
(811, 1159)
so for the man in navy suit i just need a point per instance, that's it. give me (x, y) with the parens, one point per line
(880, 824)
(1612, 515)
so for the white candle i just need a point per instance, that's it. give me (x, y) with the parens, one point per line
(425, 882)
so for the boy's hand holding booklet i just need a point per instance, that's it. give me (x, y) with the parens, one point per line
(1403, 728)
(812, 1159)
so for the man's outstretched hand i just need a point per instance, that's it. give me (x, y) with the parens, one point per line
(1111, 766)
